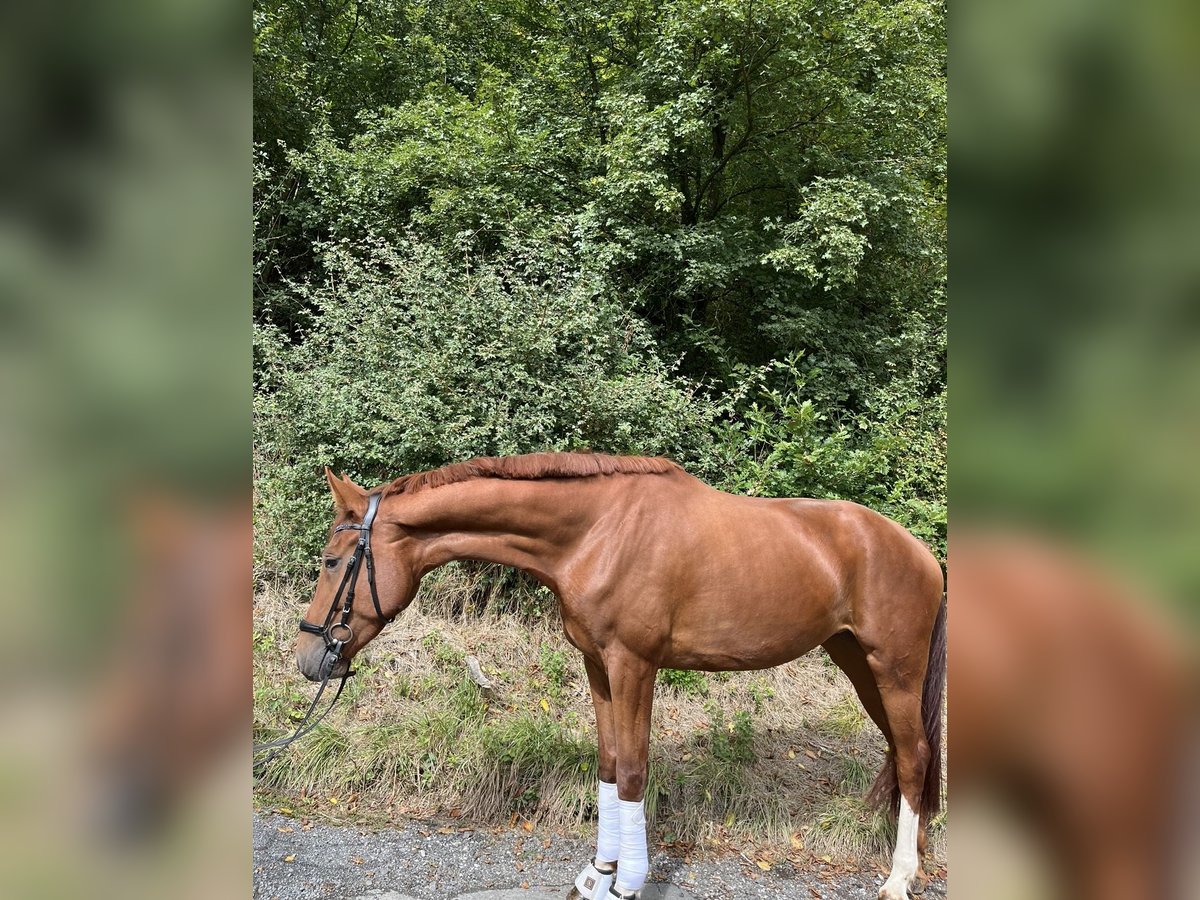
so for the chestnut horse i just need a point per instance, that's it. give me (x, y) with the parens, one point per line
(654, 568)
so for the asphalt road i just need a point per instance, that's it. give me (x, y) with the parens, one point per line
(424, 862)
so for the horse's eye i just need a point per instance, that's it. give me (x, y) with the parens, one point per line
(331, 563)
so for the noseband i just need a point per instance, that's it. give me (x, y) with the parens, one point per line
(336, 634)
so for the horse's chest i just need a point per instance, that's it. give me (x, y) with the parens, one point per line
(580, 635)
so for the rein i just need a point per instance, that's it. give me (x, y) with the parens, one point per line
(335, 634)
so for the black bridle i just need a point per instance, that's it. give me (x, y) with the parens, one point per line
(336, 634)
(328, 630)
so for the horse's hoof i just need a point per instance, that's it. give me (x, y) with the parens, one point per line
(917, 888)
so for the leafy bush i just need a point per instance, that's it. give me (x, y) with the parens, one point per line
(780, 443)
(416, 359)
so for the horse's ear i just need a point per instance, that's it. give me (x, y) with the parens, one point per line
(346, 494)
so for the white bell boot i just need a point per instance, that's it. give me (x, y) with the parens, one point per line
(593, 883)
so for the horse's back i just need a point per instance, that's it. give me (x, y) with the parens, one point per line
(753, 579)
(847, 540)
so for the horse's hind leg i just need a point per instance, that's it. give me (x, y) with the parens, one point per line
(900, 682)
(850, 657)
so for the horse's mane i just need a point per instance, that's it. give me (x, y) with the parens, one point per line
(533, 466)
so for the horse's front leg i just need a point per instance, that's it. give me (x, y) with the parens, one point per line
(596, 878)
(631, 681)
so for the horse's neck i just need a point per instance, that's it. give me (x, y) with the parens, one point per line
(530, 525)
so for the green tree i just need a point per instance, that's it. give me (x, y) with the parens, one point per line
(746, 198)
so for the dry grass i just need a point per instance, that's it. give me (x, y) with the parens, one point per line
(777, 761)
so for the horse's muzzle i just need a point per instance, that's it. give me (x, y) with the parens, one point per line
(316, 662)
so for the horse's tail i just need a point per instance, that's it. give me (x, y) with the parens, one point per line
(931, 712)
(885, 791)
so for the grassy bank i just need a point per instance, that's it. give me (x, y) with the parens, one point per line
(772, 763)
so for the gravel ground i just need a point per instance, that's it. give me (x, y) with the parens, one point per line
(297, 862)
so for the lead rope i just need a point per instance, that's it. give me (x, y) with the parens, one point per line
(305, 726)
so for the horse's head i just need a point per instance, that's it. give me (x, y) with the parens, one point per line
(369, 575)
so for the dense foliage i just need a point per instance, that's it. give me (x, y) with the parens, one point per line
(713, 229)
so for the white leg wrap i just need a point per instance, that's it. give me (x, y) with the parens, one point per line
(608, 827)
(904, 860)
(634, 862)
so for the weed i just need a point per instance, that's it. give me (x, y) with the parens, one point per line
(733, 741)
(554, 667)
(685, 681)
(404, 688)
(855, 776)
(466, 703)
(846, 826)
(760, 692)
(264, 641)
(444, 655)
(844, 719)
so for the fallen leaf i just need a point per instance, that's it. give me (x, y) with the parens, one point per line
(284, 810)
(797, 844)
(291, 857)
(545, 705)
(286, 829)
(791, 754)
(525, 885)
(810, 754)
(334, 800)
(527, 825)
(764, 865)
(357, 860)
